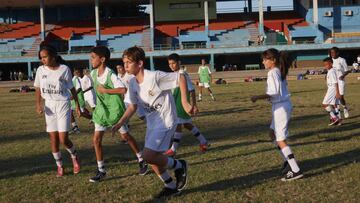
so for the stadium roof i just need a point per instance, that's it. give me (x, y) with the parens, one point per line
(36, 3)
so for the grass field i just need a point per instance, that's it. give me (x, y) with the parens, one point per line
(241, 165)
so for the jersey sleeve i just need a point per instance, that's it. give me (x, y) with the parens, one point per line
(344, 65)
(37, 77)
(68, 78)
(167, 81)
(199, 69)
(116, 81)
(131, 91)
(208, 69)
(273, 84)
(333, 77)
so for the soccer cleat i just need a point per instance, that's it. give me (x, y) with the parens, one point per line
(169, 153)
(60, 171)
(144, 169)
(75, 129)
(213, 98)
(285, 168)
(167, 192)
(290, 175)
(76, 165)
(204, 147)
(98, 177)
(334, 121)
(346, 113)
(181, 175)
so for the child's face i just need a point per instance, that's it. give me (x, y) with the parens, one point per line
(333, 54)
(203, 62)
(268, 63)
(131, 66)
(120, 69)
(96, 60)
(327, 65)
(174, 66)
(77, 73)
(46, 59)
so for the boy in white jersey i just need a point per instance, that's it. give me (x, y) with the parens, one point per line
(152, 91)
(109, 109)
(52, 83)
(342, 70)
(277, 93)
(125, 79)
(204, 79)
(87, 86)
(183, 118)
(332, 93)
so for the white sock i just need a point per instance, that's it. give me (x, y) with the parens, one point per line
(337, 112)
(58, 159)
(139, 156)
(211, 95)
(173, 163)
(101, 165)
(73, 124)
(167, 179)
(331, 111)
(199, 96)
(72, 152)
(176, 141)
(290, 158)
(195, 131)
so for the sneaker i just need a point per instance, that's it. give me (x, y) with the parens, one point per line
(204, 147)
(346, 113)
(98, 177)
(167, 192)
(285, 168)
(181, 175)
(76, 165)
(334, 121)
(75, 129)
(144, 169)
(290, 175)
(213, 98)
(60, 171)
(169, 153)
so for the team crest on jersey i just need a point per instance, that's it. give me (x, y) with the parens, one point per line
(151, 93)
(44, 76)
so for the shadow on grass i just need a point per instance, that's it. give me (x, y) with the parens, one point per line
(24, 137)
(223, 111)
(323, 164)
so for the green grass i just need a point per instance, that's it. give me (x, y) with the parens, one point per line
(241, 165)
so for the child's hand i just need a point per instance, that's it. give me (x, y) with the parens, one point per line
(115, 129)
(101, 89)
(253, 99)
(195, 110)
(188, 109)
(39, 110)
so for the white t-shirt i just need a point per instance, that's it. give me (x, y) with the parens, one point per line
(114, 78)
(339, 64)
(54, 84)
(154, 96)
(125, 80)
(86, 82)
(331, 79)
(77, 83)
(276, 87)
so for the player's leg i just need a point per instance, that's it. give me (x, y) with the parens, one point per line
(199, 136)
(342, 101)
(70, 147)
(54, 140)
(97, 142)
(175, 141)
(200, 87)
(74, 125)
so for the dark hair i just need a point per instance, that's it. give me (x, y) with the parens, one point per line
(120, 63)
(282, 59)
(78, 69)
(135, 54)
(336, 49)
(102, 51)
(174, 57)
(328, 59)
(52, 53)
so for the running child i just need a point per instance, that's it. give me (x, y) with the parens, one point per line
(277, 93)
(87, 86)
(332, 93)
(342, 71)
(204, 79)
(52, 83)
(109, 109)
(183, 118)
(152, 91)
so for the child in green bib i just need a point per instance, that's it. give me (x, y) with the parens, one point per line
(183, 118)
(204, 79)
(109, 109)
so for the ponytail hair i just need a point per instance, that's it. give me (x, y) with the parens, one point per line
(282, 60)
(52, 53)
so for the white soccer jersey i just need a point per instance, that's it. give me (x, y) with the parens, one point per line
(125, 79)
(54, 84)
(331, 80)
(154, 96)
(339, 64)
(276, 87)
(77, 83)
(86, 83)
(114, 78)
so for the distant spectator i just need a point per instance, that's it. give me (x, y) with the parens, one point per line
(21, 76)
(11, 75)
(358, 59)
(16, 76)
(355, 66)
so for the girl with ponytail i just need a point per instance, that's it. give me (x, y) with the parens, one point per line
(277, 93)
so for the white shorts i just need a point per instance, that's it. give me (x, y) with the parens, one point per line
(124, 128)
(281, 113)
(204, 84)
(90, 98)
(183, 121)
(57, 116)
(341, 84)
(159, 140)
(330, 98)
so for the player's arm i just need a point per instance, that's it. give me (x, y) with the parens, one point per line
(130, 110)
(193, 101)
(75, 97)
(347, 71)
(183, 90)
(260, 97)
(39, 108)
(120, 90)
